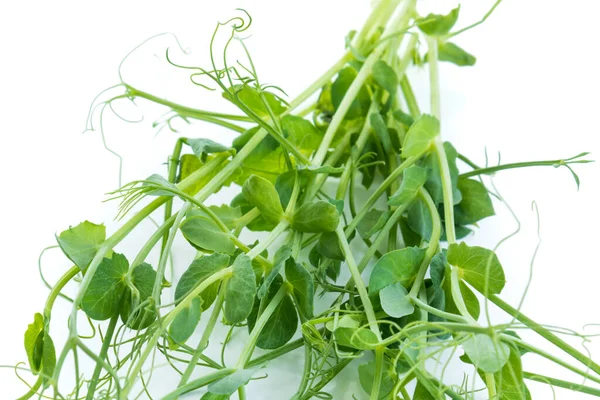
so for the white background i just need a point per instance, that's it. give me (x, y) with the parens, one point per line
(533, 94)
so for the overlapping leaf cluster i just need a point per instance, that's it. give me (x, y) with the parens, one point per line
(363, 135)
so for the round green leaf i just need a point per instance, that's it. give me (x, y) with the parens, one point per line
(103, 297)
(240, 290)
(399, 266)
(316, 217)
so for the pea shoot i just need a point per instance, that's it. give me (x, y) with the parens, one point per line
(348, 175)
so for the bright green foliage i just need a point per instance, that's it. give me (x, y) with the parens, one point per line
(231, 383)
(420, 136)
(262, 194)
(438, 25)
(398, 266)
(434, 182)
(395, 302)
(366, 376)
(132, 315)
(478, 266)
(80, 243)
(313, 176)
(253, 100)
(413, 179)
(184, 325)
(487, 354)
(103, 298)
(302, 287)
(200, 269)
(360, 105)
(282, 324)
(385, 76)
(204, 234)
(203, 146)
(316, 217)
(450, 52)
(240, 290)
(476, 203)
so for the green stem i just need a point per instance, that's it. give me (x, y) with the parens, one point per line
(545, 333)
(33, 390)
(409, 96)
(305, 373)
(457, 297)
(560, 383)
(198, 383)
(266, 242)
(204, 339)
(55, 292)
(490, 382)
(358, 281)
(173, 164)
(105, 344)
(491, 170)
(433, 242)
(291, 346)
(378, 374)
(336, 369)
(435, 311)
(151, 343)
(258, 327)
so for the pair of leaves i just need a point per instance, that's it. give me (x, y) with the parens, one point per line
(80, 243)
(240, 290)
(437, 24)
(283, 323)
(40, 348)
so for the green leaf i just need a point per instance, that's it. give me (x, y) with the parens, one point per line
(301, 133)
(413, 178)
(282, 254)
(350, 334)
(370, 223)
(366, 377)
(398, 266)
(227, 214)
(381, 131)
(252, 99)
(200, 269)
(240, 290)
(324, 169)
(452, 53)
(185, 323)
(486, 354)
(473, 262)
(48, 358)
(395, 301)
(421, 393)
(204, 234)
(303, 287)
(467, 294)
(262, 194)
(509, 380)
(103, 297)
(133, 317)
(329, 246)
(34, 343)
(434, 183)
(282, 324)
(438, 25)
(203, 146)
(316, 217)
(80, 243)
(362, 102)
(229, 384)
(266, 160)
(420, 135)
(403, 118)
(258, 223)
(476, 203)
(212, 396)
(419, 219)
(385, 77)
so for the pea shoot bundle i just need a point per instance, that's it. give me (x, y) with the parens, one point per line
(348, 179)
